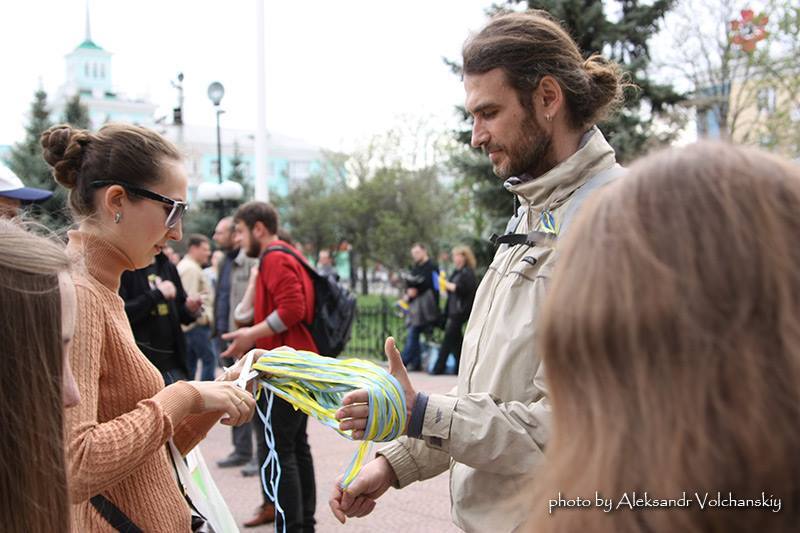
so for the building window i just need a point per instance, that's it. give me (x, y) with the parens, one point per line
(767, 99)
(299, 170)
(102, 71)
(86, 69)
(94, 70)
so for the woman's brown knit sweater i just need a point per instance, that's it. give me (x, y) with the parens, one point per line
(116, 435)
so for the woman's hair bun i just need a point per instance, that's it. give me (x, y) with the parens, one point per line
(63, 148)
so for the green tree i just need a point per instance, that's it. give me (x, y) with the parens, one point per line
(375, 202)
(25, 160)
(310, 211)
(76, 113)
(202, 218)
(237, 173)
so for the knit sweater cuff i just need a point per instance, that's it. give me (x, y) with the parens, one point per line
(178, 401)
(403, 464)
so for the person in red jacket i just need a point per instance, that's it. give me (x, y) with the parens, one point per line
(283, 307)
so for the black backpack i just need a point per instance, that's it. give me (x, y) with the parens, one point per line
(334, 309)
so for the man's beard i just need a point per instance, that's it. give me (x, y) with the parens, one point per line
(254, 247)
(529, 154)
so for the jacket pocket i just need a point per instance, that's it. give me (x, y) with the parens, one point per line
(534, 262)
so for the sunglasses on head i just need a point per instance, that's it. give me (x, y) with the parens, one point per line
(178, 207)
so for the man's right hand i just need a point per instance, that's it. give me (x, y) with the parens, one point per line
(194, 304)
(167, 289)
(359, 499)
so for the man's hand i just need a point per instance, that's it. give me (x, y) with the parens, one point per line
(411, 292)
(359, 499)
(241, 341)
(194, 304)
(167, 289)
(355, 410)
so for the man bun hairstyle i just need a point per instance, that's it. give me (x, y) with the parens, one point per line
(531, 45)
(120, 152)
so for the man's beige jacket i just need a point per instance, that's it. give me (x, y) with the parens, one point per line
(491, 430)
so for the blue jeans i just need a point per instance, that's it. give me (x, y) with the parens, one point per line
(412, 351)
(198, 346)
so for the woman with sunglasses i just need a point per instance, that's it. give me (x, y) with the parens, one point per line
(127, 189)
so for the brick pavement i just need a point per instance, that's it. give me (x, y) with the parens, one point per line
(419, 508)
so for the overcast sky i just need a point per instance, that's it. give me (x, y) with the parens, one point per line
(337, 71)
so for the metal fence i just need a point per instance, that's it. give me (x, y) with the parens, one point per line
(373, 323)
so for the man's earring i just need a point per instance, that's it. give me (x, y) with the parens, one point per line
(117, 217)
(548, 118)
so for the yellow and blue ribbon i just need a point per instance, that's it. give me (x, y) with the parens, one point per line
(548, 223)
(316, 385)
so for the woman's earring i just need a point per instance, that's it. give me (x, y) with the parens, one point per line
(117, 217)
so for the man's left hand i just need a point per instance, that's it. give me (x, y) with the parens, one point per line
(241, 341)
(355, 405)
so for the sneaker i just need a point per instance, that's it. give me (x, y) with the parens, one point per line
(264, 515)
(251, 469)
(232, 460)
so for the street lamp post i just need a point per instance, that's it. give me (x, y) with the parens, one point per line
(215, 93)
(227, 193)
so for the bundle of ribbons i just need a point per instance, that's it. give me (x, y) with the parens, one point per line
(316, 385)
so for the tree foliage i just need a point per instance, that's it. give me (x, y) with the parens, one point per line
(375, 202)
(237, 173)
(25, 160)
(76, 113)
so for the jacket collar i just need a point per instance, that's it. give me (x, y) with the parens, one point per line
(238, 256)
(553, 187)
(103, 261)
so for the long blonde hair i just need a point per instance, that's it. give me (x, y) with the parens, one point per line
(33, 484)
(671, 341)
(466, 251)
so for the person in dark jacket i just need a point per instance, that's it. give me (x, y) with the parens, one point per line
(461, 289)
(423, 304)
(157, 305)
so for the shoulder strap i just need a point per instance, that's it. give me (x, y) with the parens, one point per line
(308, 268)
(284, 249)
(511, 227)
(595, 182)
(112, 514)
(534, 238)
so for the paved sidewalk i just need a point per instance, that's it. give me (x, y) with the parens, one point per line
(421, 507)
